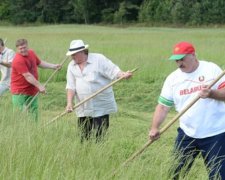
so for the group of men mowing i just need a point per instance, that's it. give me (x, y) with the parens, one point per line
(202, 127)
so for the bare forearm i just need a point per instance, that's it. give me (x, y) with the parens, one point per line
(218, 94)
(46, 65)
(6, 64)
(31, 79)
(70, 96)
(159, 116)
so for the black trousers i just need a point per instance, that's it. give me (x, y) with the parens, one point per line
(212, 149)
(97, 124)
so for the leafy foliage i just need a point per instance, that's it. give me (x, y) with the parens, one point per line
(193, 12)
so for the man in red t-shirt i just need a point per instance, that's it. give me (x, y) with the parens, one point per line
(24, 77)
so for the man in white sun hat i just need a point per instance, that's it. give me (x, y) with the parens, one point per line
(86, 74)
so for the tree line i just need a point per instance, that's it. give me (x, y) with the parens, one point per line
(184, 12)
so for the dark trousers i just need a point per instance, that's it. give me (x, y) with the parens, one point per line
(97, 124)
(212, 150)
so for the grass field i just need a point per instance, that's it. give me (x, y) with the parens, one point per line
(29, 151)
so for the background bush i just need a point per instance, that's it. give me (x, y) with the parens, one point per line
(178, 12)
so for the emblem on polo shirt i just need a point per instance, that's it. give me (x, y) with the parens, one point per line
(201, 78)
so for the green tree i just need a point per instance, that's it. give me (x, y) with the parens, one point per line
(107, 15)
(22, 11)
(147, 10)
(119, 16)
(83, 9)
(180, 12)
(53, 11)
(163, 11)
(132, 12)
(213, 11)
(4, 10)
(111, 10)
(196, 15)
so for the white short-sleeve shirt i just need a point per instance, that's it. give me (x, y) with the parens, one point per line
(98, 72)
(207, 116)
(7, 56)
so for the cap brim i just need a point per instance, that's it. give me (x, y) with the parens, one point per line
(177, 57)
(69, 53)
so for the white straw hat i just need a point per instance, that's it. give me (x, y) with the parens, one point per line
(76, 46)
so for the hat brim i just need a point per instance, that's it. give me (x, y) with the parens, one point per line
(69, 53)
(177, 57)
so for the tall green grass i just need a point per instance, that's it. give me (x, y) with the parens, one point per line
(30, 151)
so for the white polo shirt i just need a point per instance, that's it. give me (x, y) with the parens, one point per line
(7, 56)
(98, 72)
(207, 116)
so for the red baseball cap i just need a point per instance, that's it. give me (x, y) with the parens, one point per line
(182, 49)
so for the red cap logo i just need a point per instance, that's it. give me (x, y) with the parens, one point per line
(184, 48)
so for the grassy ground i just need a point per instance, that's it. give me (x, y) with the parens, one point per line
(30, 151)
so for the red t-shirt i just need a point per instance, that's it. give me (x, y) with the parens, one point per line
(23, 64)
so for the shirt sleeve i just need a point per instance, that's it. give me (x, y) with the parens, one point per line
(108, 69)
(10, 55)
(166, 96)
(71, 81)
(38, 61)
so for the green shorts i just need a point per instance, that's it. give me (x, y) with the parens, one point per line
(21, 101)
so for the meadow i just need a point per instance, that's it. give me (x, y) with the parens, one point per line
(31, 151)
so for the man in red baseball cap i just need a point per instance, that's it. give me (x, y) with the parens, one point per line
(184, 55)
(202, 127)
(182, 49)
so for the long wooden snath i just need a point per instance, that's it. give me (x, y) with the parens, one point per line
(49, 79)
(147, 144)
(88, 98)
